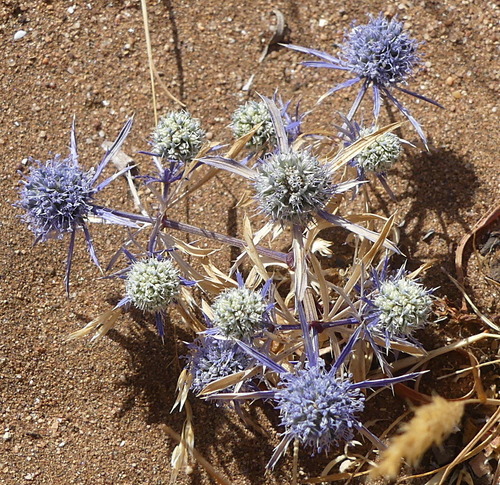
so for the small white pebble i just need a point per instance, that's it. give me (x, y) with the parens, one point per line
(19, 34)
(322, 22)
(7, 436)
(71, 9)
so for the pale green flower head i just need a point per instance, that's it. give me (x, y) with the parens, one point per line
(247, 117)
(382, 154)
(239, 313)
(404, 306)
(178, 136)
(152, 284)
(290, 187)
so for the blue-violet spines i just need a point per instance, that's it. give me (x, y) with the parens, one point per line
(239, 313)
(212, 359)
(152, 284)
(291, 186)
(178, 137)
(56, 197)
(381, 51)
(318, 408)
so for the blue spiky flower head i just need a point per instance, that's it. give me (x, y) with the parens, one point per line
(291, 186)
(239, 312)
(382, 154)
(211, 359)
(319, 408)
(402, 306)
(152, 284)
(57, 197)
(381, 51)
(247, 117)
(178, 136)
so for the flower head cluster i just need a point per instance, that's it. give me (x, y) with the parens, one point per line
(178, 137)
(380, 51)
(380, 55)
(382, 154)
(290, 186)
(239, 312)
(152, 284)
(247, 117)
(57, 197)
(402, 306)
(211, 359)
(318, 408)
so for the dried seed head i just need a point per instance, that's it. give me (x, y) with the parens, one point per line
(178, 136)
(291, 186)
(381, 51)
(239, 313)
(213, 359)
(382, 154)
(152, 284)
(247, 117)
(57, 197)
(403, 306)
(318, 408)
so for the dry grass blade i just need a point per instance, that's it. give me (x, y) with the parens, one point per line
(459, 254)
(144, 9)
(365, 262)
(476, 310)
(431, 424)
(101, 325)
(469, 450)
(198, 457)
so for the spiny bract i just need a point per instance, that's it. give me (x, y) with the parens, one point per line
(290, 186)
(213, 359)
(178, 137)
(152, 284)
(380, 51)
(57, 197)
(239, 313)
(318, 408)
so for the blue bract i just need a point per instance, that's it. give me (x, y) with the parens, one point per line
(58, 197)
(380, 54)
(319, 408)
(213, 359)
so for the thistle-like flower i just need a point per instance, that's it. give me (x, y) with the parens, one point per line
(58, 197)
(318, 408)
(247, 117)
(382, 154)
(152, 284)
(380, 54)
(401, 306)
(178, 137)
(239, 313)
(211, 359)
(291, 186)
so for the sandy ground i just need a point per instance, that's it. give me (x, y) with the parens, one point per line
(73, 413)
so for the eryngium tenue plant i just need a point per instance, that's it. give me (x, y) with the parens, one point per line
(265, 337)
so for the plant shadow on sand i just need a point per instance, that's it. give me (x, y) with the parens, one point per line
(443, 187)
(151, 383)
